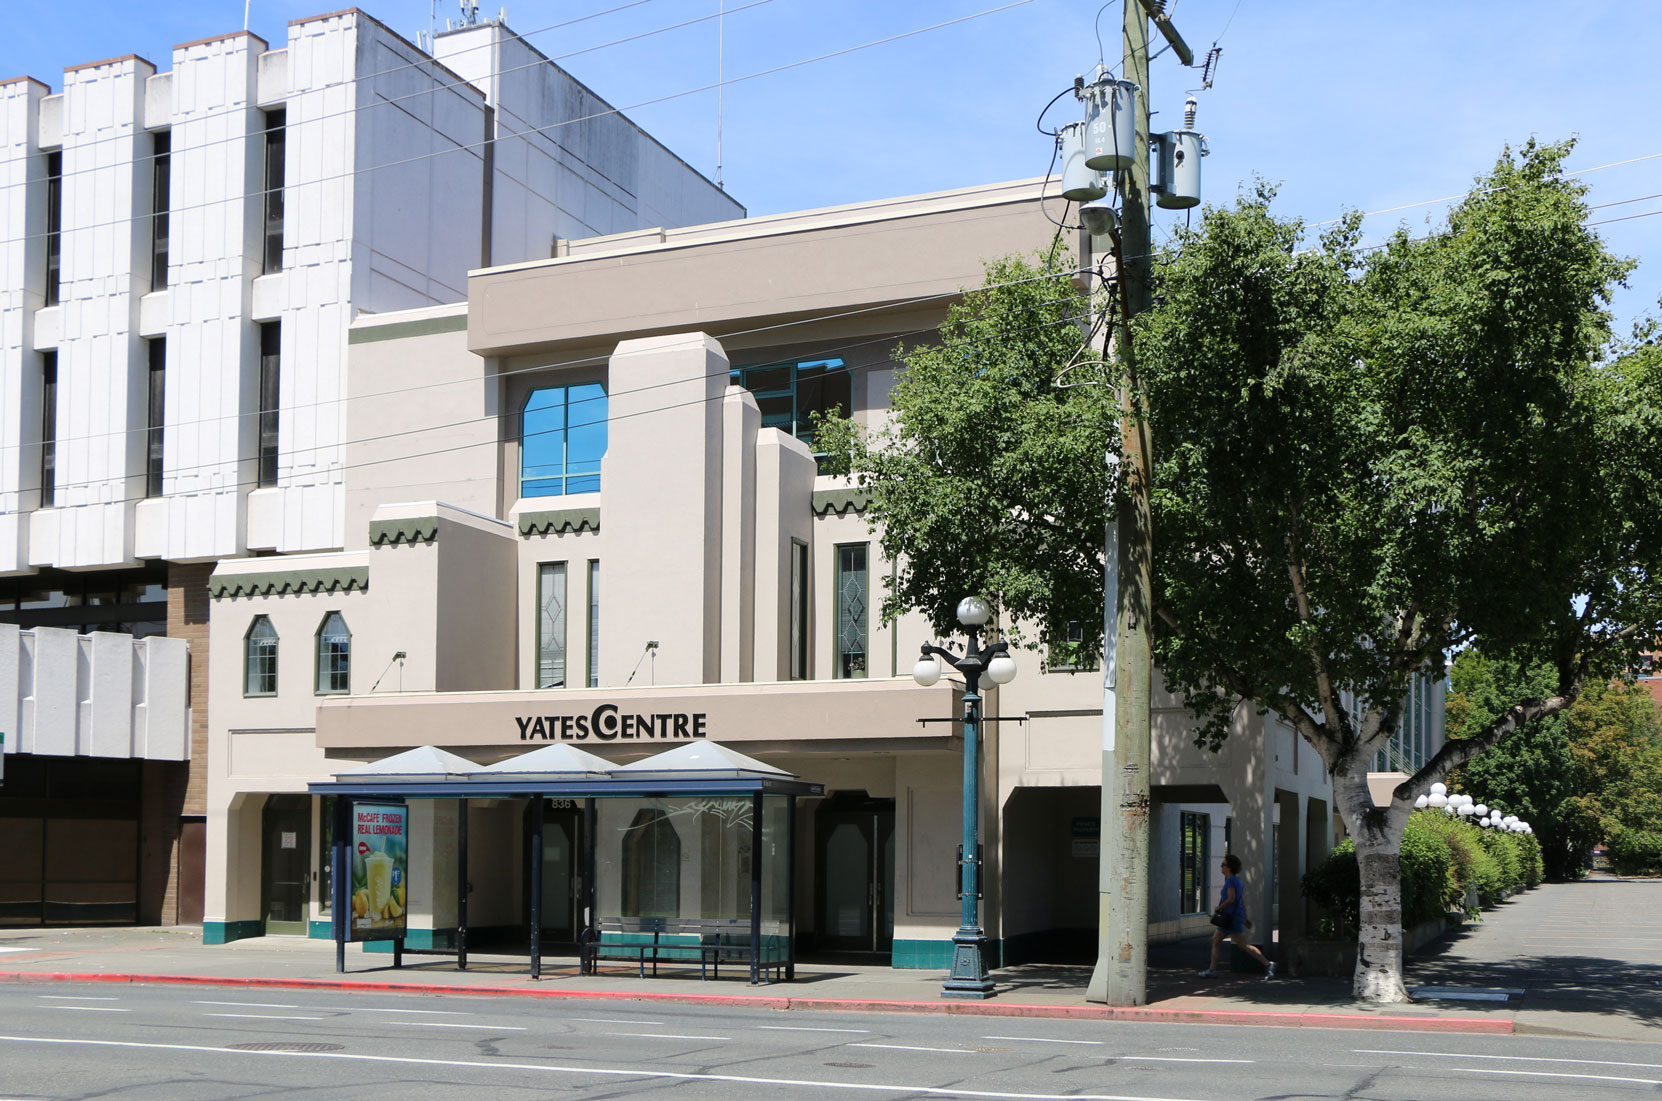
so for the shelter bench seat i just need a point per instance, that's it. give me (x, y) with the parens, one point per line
(710, 941)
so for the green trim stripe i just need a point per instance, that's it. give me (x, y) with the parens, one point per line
(404, 330)
(559, 521)
(840, 501)
(416, 529)
(224, 932)
(343, 579)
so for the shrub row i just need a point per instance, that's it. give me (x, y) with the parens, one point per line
(1445, 861)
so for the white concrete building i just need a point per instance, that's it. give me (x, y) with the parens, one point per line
(677, 568)
(182, 253)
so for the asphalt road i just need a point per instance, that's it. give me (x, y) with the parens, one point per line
(70, 1041)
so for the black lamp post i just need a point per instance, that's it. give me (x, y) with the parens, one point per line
(969, 967)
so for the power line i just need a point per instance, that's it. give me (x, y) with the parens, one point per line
(460, 147)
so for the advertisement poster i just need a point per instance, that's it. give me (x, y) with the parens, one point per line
(380, 870)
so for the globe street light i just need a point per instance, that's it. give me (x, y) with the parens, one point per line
(969, 968)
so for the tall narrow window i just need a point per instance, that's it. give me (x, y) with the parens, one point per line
(334, 655)
(48, 429)
(271, 343)
(562, 439)
(161, 200)
(1193, 862)
(157, 417)
(259, 660)
(799, 611)
(275, 142)
(594, 624)
(551, 625)
(853, 606)
(54, 224)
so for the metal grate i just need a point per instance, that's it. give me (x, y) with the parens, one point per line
(282, 1046)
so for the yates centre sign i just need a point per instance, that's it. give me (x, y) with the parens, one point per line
(608, 723)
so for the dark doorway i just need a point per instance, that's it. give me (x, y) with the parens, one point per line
(854, 873)
(562, 870)
(193, 862)
(287, 851)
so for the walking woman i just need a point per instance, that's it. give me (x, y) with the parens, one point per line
(1232, 905)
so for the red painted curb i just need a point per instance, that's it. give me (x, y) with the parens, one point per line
(1149, 1014)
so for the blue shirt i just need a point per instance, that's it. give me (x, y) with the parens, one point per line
(1236, 907)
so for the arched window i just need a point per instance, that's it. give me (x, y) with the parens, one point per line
(651, 867)
(562, 438)
(334, 655)
(259, 658)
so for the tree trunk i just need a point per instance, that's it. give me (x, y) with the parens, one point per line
(1377, 834)
(1379, 941)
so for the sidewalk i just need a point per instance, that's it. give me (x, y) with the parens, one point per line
(1565, 986)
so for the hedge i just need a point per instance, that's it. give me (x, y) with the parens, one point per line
(1444, 859)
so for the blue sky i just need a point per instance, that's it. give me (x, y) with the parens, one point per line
(1365, 106)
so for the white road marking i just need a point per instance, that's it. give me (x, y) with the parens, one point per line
(907, 1047)
(667, 1036)
(611, 1021)
(19, 949)
(447, 1024)
(1556, 1074)
(804, 1028)
(378, 1009)
(90, 1008)
(263, 1016)
(1174, 1059)
(76, 998)
(606, 1072)
(250, 1005)
(1510, 1058)
(1044, 1040)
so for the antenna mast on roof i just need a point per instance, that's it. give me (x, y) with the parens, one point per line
(721, 48)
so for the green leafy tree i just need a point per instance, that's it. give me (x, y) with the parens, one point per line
(1364, 461)
(1581, 777)
(1370, 459)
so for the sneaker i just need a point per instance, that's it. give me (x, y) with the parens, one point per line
(1208, 974)
(1269, 973)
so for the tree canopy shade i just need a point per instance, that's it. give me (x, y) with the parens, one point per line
(1364, 460)
(1367, 459)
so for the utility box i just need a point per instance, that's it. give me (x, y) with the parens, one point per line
(1176, 181)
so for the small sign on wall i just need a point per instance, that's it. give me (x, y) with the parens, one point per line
(288, 839)
(1086, 839)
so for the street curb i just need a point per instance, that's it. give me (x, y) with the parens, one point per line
(1146, 1014)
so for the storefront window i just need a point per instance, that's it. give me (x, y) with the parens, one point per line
(1193, 861)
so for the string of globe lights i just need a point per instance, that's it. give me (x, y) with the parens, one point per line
(1464, 806)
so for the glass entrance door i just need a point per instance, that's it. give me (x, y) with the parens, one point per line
(855, 865)
(287, 864)
(562, 870)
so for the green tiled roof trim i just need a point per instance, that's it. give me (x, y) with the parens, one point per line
(344, 579)
(839, 501)
(416, 529)
(559, 521)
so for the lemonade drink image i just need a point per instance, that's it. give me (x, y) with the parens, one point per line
(378, 866)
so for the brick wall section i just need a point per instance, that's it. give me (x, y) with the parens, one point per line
(169, 790)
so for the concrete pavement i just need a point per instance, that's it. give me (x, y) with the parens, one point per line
(1567, 959)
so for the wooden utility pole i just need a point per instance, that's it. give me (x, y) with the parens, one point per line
(1120, 977)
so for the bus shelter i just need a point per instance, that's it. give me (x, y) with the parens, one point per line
(698, 828)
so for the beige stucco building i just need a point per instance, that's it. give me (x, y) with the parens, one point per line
(677, 568)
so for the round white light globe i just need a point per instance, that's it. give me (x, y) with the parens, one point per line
(927, 671)
(1420, 803)
(1438, 799)
(1465, 810)
(1481, 811)
(1002, 669)
(974, 612)
(1439, 789)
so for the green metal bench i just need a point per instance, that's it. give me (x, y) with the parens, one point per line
(655, 940)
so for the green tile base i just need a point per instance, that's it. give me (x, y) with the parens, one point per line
(224, 932)
(443, 940)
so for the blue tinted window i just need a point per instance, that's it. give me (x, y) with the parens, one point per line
(562, 437)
